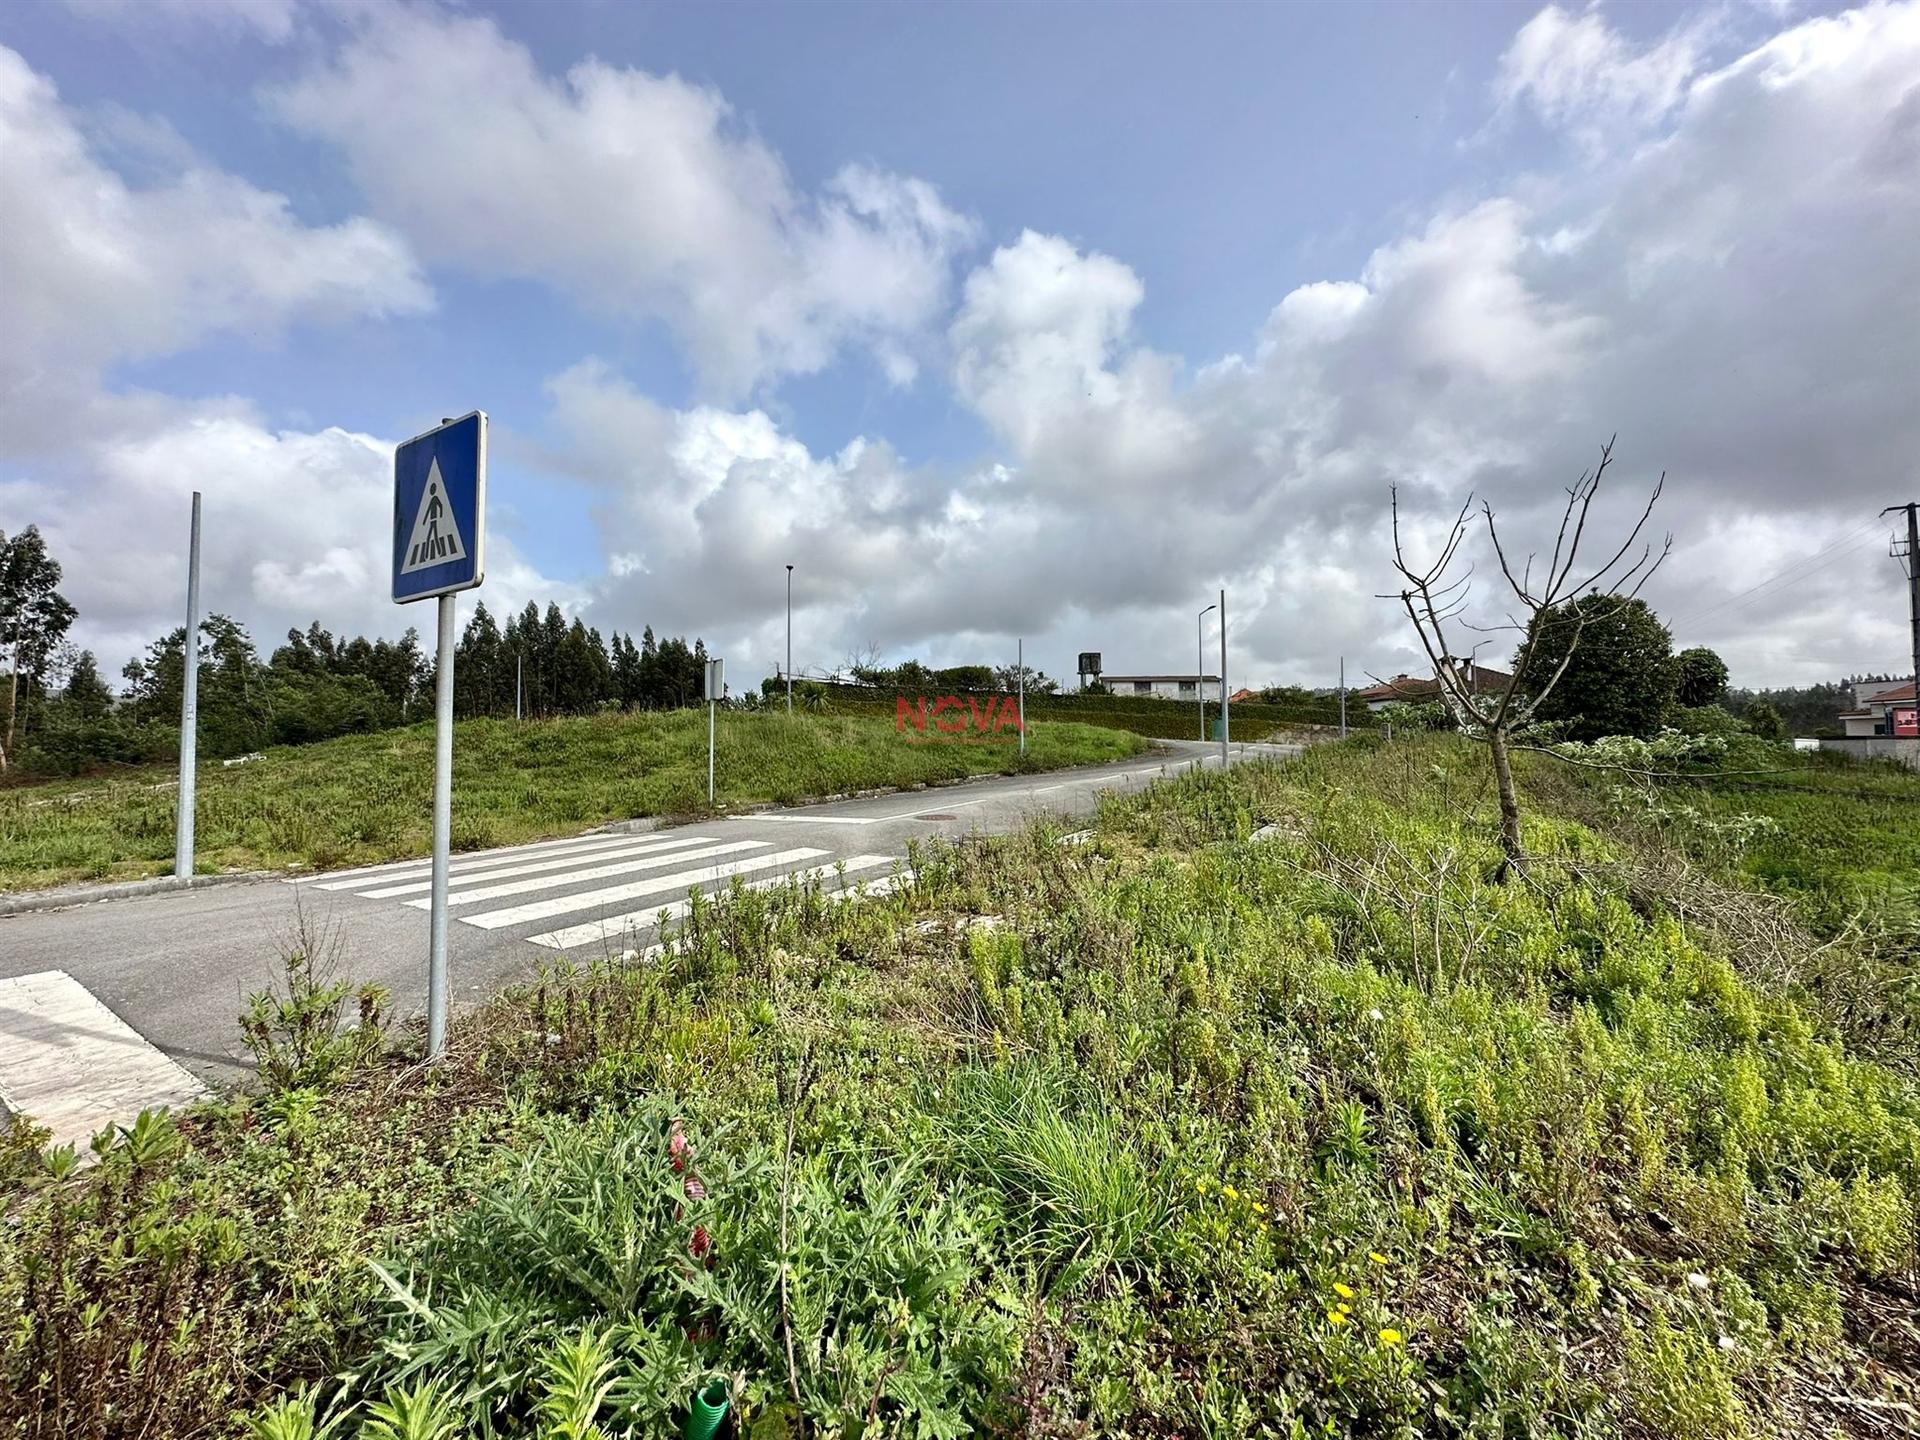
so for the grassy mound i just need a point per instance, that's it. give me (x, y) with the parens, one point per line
(368, 798)
(1263, 1112)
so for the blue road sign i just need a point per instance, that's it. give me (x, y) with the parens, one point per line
(440, 510)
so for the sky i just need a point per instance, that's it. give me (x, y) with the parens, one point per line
(999, 323)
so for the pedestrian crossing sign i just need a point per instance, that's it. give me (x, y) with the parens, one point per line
(439, 509)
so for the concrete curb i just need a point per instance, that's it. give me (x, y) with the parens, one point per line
(21, 902)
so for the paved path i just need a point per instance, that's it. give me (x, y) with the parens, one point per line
(177, 967)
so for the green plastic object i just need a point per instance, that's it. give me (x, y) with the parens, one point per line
(709, 1409)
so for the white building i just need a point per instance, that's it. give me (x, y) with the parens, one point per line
(1164, 687)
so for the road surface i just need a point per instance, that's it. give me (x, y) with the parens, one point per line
(104, 1002)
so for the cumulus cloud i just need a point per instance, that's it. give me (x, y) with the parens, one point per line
(1734, 290)
(98, 270)
(1577, 72)
(638, 192)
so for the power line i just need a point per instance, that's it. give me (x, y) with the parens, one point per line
(1792, 574)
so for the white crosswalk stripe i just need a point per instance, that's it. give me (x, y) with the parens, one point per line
(597, 872)
(663, 885)
(650, 846)
(462, 864)
(613, 927)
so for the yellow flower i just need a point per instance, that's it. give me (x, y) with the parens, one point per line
(1258, 1208)
(1229, 1192)
(1201, 1184)
(1391, 1337)
(1334, 1317)
(1376, 1257)
(1344, 1308)
(1344, 1292)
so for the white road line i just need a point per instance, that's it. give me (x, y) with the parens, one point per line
(599, 872)
(468, 860)
(540, 867)
(73, 1065)
(613, 894)
(613, 927)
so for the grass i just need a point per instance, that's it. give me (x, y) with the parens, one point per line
(1263, 1112)
(365, 799)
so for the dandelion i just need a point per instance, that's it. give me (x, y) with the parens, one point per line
(1345, 1292)
(1376, 1257)
(1258, 1208)
(1391, 1337)
(1344, 1308)
(1334, 1317)
(1229, 1192)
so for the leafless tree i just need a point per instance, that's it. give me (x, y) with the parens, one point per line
(1435, 598)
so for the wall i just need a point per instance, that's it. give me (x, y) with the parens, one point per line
(1904, 749)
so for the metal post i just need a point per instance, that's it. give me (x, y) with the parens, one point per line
(1020, 671)
(1343, 697)
(1223, 678)
(189, 706)
(516, 684)
(711, 705)
(1913, 587)
(1200, 667)
(442, 834)
(789, 640)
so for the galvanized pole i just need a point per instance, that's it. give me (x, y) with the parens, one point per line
(789, 640)
(1343, 697)
(1020, 669)
(516, 685)
(189, 706)
(711, 703)
(442, 834)
(1223, 678)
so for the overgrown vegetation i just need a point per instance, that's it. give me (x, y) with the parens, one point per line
(368, 798)
(1264, 1111)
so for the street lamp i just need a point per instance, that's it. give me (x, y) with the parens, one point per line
(1200, 670)
(789, 639)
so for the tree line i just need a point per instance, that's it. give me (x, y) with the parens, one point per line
(63, 717)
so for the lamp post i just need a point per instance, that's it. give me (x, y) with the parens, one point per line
(789, 639)
(1200, 670)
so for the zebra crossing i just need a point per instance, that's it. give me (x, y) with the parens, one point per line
(604, 890)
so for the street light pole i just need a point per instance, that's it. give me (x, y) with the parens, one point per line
(1200, 668)
(1224, 721)
(789, 640)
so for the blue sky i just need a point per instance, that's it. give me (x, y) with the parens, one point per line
(1119, 304)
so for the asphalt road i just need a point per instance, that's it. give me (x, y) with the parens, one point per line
(174, 969)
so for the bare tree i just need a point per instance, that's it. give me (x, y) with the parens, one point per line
(1436, 597)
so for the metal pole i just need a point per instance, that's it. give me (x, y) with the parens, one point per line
(1913, 588)
(710, 710)
(442, 834)
(516, 684)
(1343, 697)
(1223, 678)
(1020, 669)
(789, 640)
(189, 706)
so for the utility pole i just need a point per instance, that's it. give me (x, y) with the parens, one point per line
(1908, 553)
(189, 707)
(1200, 666)
(1020, 674)
(1223, 680)
(789, 640)
(1343, 697)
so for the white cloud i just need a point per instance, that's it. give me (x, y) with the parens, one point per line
(639, 192)
(97, 270)
(1576, 72)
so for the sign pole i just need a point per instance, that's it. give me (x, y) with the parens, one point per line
(711, 707)
(189, 707)
(1020, 667)
(442, 833)
(1223, 679)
